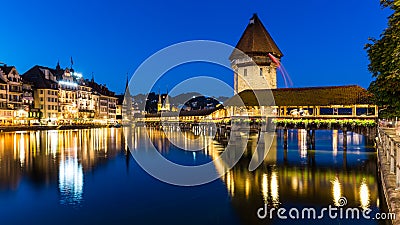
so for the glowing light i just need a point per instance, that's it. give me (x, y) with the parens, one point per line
(67, 83)
(364, 194)
(76, 74)
(336, 191)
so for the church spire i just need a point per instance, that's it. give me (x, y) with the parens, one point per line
(58, 67)
(167, 100)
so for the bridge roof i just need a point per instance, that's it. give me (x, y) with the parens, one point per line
(308, 96)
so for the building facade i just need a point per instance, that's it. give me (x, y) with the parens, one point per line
(65, 97)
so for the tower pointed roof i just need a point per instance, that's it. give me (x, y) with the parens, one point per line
(257, 41)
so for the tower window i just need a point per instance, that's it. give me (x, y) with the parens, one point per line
(261, 71)
(245, 72)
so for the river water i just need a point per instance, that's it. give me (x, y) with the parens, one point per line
(89, 177)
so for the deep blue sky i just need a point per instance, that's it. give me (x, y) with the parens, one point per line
(322, 40)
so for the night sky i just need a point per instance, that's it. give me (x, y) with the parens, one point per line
(322, 41)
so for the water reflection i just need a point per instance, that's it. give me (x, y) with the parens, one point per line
(49, 157)
(295, 177)
(364, 194)
(336, 191)
(291, 180)
(70, 182)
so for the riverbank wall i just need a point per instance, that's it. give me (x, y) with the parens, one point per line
(59, 127)
(388, 150)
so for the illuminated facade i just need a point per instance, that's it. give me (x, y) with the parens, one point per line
(64, 97)
(12, 97)
(163, 104)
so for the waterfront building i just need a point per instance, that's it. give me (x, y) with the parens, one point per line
(86, 102)
(12, 97)
(45, 92)
(63, 96)
(105, 102)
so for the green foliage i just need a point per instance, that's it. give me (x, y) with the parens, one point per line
(329, 123)
(384, 56)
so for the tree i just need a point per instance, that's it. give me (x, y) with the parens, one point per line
(384, 56)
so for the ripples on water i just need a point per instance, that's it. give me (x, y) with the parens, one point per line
(90, 172)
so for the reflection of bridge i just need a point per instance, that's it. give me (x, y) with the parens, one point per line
(285, 182)
(296, 175)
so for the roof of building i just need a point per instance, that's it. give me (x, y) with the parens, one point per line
(257, 40)
(36, 76)
(307, 96)
(6, 69)
(99, 88)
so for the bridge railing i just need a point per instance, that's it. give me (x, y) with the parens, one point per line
(390, 144)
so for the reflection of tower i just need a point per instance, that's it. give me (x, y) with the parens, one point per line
(256, 43)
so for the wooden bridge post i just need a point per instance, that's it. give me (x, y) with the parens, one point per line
(285, 138)
(313, 139)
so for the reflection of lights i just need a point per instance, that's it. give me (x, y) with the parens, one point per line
(335, 143)
(247, 188)
(302, 143)
(356, 139)
(336, 191)
(274, 188)
(264, 187)
(71, 182)
(53, 142)
(295, 183)
(230, 183)
(21, 150)
(364, 194)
